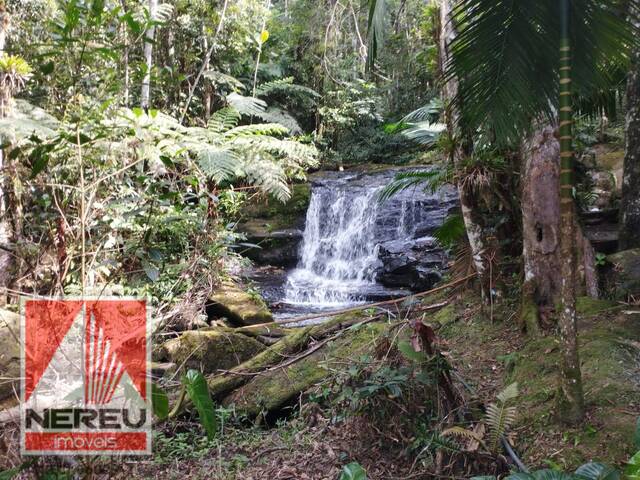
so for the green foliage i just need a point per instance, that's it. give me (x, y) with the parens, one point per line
(500, 416)
(430, 180)
(451, 231)
(198, 392)
(506, 57)
(160, 402)
(353, 471)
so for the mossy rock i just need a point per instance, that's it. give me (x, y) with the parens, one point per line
(592, 306)
(238, 306)
(210, 350)
(623, 278)
(276, 215)
(9, 353)
(275, 389)
(445, 315)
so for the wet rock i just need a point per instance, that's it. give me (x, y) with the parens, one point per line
(210, 350)
(9, 354)
(238, 306)
(412, 264)
(278, 248)
(623, 274)
(603, 188)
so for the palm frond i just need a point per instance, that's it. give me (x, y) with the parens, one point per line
(430, 180)
(506, 58)
(424, 133)
(376, 28)
(430, 112)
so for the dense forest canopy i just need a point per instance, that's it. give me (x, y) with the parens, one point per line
(415, 222)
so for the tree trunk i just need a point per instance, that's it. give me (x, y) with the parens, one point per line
(449, 91)
(145, 94)
(6, 230)
(541, 222)
(541, 233)
(630, 206)
(570, 394)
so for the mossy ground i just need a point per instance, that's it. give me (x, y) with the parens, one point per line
(492, 355)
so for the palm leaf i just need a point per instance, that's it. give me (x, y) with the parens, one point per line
(376, 28)
(452, 230)
(424, 133)
(506, 57)
(430, 180)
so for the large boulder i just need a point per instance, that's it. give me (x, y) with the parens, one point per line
(622, 277)
(238, 306)
(9, 354)
(209, 350)
(414, 264)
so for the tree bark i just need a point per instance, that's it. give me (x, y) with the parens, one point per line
(541, 222)
(570, 394)
(630, 205)
(145, 94)
(449, 91)
(6, 230)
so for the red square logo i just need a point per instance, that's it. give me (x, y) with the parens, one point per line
(85, 377)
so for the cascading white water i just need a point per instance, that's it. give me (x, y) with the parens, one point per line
(355, 249)
(339, 249)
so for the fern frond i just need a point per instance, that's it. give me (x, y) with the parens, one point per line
(438, 442)
(219, 78)
(224, 120)
(268, 176)
(499, 418)
(461, 432)
(452, 230)
(509, 393)
(163, 12)
(258, 129)
(285, 86)
(246, 105)
(221, 164)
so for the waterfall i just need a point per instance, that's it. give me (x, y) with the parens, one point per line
(339, 250)
(355, 249)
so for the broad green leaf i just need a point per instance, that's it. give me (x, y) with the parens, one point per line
(152, 272)
(632, 472)
(353, 471)
(160, 402)
(198, 391)
(597, 471)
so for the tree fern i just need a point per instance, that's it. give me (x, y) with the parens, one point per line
(220, 163)
(224, 120)
(247, 105)
(255, 130)
(284, 86)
